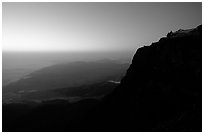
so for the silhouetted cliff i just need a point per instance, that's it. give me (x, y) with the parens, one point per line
(162, 90)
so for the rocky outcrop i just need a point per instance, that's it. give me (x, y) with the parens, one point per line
(162, 90)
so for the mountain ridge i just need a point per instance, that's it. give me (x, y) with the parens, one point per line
(163, 78)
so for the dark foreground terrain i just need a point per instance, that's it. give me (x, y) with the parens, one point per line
(161, 91)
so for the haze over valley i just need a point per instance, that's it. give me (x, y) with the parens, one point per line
(105, 66)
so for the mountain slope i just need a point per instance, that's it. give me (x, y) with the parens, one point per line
(65, 76)
(162, 90)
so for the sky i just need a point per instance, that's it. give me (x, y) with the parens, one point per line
(92, 26)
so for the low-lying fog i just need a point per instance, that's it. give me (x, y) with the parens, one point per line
(36, 76)
(18, 64)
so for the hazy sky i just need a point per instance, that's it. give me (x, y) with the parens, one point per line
(92, 26)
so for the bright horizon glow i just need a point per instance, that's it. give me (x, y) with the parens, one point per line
(85, 27)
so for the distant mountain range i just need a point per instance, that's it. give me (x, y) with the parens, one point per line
(161, 91)
(12, 75)
(56, 77)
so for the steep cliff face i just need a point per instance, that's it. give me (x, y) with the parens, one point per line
(162, 90)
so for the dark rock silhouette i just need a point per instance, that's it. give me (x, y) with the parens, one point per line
(161, 91)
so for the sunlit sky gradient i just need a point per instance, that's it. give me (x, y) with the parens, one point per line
(92, 26)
